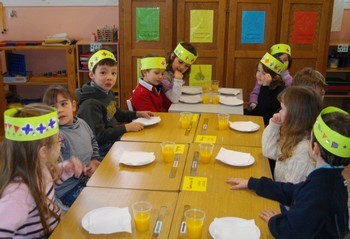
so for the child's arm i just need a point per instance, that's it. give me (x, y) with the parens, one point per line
(69, 168)
(175, 92)
(253, 98)
(270, 137)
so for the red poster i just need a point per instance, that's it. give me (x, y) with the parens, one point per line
(304, 27)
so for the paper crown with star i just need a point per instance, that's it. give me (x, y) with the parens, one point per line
(30, 128)
(185, 55)
(281, 48)
(273, 63)
(99, 56)
(331, 140)
(153, 63)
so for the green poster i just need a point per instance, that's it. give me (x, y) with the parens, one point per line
(200, 74)
(147, 24)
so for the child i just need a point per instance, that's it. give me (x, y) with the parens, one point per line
(283, 52)
(98, 105)
(28, 168)
(148, 94)
(178, 69)
(285, 139)
(269, 74)
(318, 206)
(78, 141)
(312, 78)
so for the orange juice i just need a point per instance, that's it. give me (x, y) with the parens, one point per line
(215, 99)
(168, 153)
(205, 87)
(185, 123)
(215, 88)
(223, 124)
(194, 228)
(205, 156)
(205, 99)
(142, 221)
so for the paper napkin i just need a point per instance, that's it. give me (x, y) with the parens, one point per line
(234, 158)
(227, 228)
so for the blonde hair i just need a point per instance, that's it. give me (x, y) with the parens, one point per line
(19, 163)
(309, 77)
(303, 106)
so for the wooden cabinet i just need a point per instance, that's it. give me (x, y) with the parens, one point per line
(338, 75)
(68, 79)
(84, 49)
(233, 61)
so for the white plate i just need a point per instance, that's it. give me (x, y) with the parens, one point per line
(229, 91)
(191, 90)
(244, 126)
(191, 99)
(230, 100)
(255, 234)
(136, 158)
(239, 164)
(147, 122)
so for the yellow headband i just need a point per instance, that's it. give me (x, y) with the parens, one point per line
(185, 55)
(153, 63)
(273, 63)
(331, 140)
(30, 128)
(99, 56)
(281, 48)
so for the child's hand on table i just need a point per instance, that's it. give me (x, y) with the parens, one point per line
(267, 214)
(134, 127)
(144, 114)
(237, 183)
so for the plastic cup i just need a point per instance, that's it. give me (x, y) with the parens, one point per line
(205, 152)
(194, 223)
(168, 149)
(215, 85)
(142, 214)
(185, 119)
(205, 98)
(223, 121)
(206, 86)
(215, 98)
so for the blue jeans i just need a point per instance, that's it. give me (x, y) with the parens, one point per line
(69, 197)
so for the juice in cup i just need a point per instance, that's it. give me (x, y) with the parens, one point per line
(205, 98)
(205, 87)
(168, 151)
(142, 213)
(194, 223)
(215, 85)
(205, 152)
(215, 99)
(142, 221)
(223, 121)
(185, 119)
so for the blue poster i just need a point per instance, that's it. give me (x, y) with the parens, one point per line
(253, 27)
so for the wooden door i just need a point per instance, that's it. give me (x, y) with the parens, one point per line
(211, 45)
(312, 49)
(244, 51)
(135, 45)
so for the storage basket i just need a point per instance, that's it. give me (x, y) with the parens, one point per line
(107, 34)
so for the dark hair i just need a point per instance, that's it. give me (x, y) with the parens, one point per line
(340, 123)
(274, 83)
(277, 55)
(51, 93)
(171, 57)
(309, 77)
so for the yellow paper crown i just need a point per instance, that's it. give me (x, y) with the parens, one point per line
(331, 140)
(153, 63)
(185, 55)
(273, 63)
(281, 48)
(30, 128)
(99, 56)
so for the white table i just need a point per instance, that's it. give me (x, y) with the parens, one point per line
(208, 108)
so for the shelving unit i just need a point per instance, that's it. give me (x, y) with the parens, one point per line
(68, 79)
(341, 72)
(84, 48)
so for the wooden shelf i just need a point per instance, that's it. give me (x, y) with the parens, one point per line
(339, 69)
(41, 80)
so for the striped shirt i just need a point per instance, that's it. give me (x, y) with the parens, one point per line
(19, 216)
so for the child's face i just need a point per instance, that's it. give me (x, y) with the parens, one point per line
(283, 112)
(320, 90)
(153, 76)
(260, 74)
(284, 58)
(65, 108)
(179, 65)
(105, 76)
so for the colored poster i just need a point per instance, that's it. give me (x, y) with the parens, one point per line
(201, 25)
(200, 74)
(147, 24)
(304, 27)
(253, 27)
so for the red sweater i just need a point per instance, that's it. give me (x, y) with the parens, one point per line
(146, 99)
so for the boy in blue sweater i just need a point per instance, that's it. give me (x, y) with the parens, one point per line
(318, 206)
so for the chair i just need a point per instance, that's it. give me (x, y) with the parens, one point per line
(128, 103)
